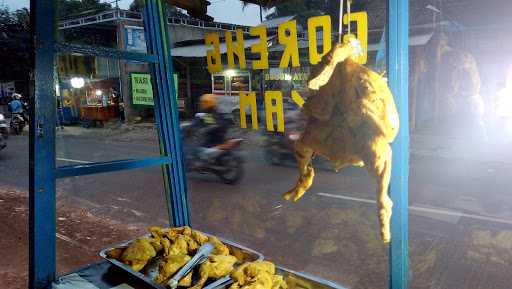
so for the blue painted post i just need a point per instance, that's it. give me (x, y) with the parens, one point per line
(166, 109)
(398, 72)
(42, 267)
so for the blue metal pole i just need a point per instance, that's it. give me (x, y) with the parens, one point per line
(42, 264)
(166, 109)
(398, 72)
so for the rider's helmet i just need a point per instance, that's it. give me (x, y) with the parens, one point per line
(16, 96)
(208, 102)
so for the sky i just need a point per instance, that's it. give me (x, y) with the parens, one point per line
(229, 11)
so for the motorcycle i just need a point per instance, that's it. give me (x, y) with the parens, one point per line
(279, 148)
(17, 123)
(4, 132)
(222, 160)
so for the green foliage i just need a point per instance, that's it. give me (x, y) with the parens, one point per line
(303, 9)
(138, 6)
(74, 8)
(14, 42)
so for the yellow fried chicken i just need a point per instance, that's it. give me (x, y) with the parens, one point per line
(138, 254)
(278, 282)
(199, 237)
(352, 119)
(169, 266)
(186, 281)
(179, 246)
(255, 275)
(217, 266)
(220, 248)
(115, 253)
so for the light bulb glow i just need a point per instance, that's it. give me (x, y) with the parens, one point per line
(77, 82)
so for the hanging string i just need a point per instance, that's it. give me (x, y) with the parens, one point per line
(340, 28)
(349, 12)
(349, 3)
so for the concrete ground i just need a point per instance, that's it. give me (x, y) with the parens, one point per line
(460, 208)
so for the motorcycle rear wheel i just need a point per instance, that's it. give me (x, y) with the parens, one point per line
(232, 171)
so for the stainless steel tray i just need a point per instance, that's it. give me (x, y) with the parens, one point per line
(296, 280)
(243, 254)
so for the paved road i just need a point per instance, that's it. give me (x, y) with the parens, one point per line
(460, 213)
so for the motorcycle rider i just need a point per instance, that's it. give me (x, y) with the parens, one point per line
(212, 127)
(16, 106)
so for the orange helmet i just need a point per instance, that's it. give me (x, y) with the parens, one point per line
(207, 101)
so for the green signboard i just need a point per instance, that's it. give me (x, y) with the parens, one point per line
(142, 91)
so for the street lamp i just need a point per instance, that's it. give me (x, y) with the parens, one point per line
(77, 82)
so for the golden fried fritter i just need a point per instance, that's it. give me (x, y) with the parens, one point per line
(138, 254)
(115, 253)
(217, 266)
(220, 248)
(169, 266)
(255, 275)
(199, 237)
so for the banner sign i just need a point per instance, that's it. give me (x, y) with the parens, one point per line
(142, 91)
(134, 39)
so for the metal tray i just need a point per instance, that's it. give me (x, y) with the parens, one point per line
(243, 254)
(296, 280)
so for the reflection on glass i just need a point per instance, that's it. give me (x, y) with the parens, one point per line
(460, 160)
(333, 231)
(94, 212)
(105, 110)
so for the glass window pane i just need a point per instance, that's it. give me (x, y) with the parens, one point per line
(332, 232)
(97, 211)
(460, 204)
(101, 24)
(105, 110)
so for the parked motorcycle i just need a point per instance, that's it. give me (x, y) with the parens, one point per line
(17, 123)
(4, 132)
(223, 160)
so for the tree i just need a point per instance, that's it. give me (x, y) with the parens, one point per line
(303, 9)
(15, 42)
(138, 6)
(74, 8)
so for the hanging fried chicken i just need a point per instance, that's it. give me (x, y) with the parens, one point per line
(352, 119)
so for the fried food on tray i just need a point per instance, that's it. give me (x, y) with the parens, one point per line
(177, 246)
(257, 275)
(115, 253)
(352, 119)
(199, 237)
(217, 266)
(220, 248)
(169, 266)
(186, 281)
(138, 254)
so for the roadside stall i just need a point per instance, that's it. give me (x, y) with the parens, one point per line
(184, 255)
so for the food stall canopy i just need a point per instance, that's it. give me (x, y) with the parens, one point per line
(199, 50)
